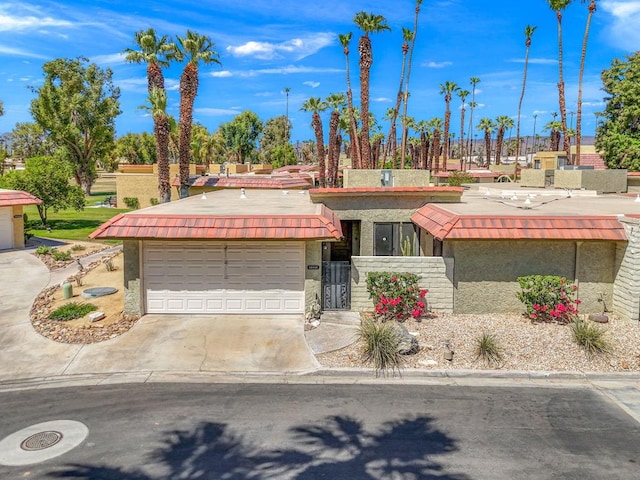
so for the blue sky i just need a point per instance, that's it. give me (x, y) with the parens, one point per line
(268, 45)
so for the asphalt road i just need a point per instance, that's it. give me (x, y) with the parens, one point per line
(267, 431)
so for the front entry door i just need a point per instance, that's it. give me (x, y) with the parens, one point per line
(336, 285)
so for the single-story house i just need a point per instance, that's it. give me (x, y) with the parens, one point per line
(279, 251)
(11, 217)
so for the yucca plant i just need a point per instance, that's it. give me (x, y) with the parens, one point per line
(590, 337)
(380, 341)
(488, 348)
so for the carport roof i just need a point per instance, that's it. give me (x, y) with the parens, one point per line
(9, 198)
(223, 214)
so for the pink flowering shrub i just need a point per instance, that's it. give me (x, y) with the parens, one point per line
(548, 298)
(396, 296)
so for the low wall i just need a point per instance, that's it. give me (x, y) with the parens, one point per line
(436, 275)
(371, 178)
(602, 181)
(535, 177)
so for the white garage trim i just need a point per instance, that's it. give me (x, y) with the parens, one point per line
(6, 228)
(217, 277)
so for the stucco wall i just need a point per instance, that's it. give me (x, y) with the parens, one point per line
(133, 295)
(535, 177)
(312, 278)
(436, 274)
(486, 271)
(602, 181)
(371, 178)
(626, 288)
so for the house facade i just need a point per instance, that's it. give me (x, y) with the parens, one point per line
(12, 218)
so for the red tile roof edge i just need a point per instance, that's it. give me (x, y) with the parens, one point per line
(9, 198)
(442, 223)
(104, 227)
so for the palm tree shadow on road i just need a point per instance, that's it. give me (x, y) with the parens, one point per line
(334, 447)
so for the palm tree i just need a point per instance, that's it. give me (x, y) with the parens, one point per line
(406, 89)
(356, 158)
(558, 6)
(463, 94)
(335, 101)
(161, 131)
(592, 9)
(406, 36)
(472, 105)
(435, 124)
(554, 128)
(447, 89)
(368, 23)
(503, 123)
(194, 48)
(153, 51)
(487, 126)
(316, 105)
(528, 33)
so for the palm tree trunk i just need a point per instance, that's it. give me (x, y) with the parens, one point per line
(592, 8)
(462, 163)
(447, 123)
(161, 130)
(188, 90)
(487, 145)
(561, 93)
(396, 108)
(334, 148)
(499, 141)
(316, 123)
(436, 151)
(366, 60)
(406, 90)
(524, 83)
(356, 159)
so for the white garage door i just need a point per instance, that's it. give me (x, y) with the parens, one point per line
(6, 228)
(201, 277)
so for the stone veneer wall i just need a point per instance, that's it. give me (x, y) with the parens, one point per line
(626, 287)
(436, 274)
(133, 298)
(312, 278)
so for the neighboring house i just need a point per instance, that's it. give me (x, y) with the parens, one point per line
(11, 217)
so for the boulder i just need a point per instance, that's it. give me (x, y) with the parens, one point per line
(408, 343)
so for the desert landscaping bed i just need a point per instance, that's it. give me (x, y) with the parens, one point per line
(525, 346)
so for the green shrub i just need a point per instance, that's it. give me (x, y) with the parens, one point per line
(547, 298)
(43, 250)
(488, 348)
(59, 256)
(590, 337)
(109, 266)
(132, 202)
(396, 296)
(71, 311)
(154, 201)
(78, 247)
(380, 343)
(458, 177)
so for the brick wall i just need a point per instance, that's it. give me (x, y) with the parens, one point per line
(436, 274)
(626, 287)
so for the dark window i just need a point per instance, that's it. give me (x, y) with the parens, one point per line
(394, 239)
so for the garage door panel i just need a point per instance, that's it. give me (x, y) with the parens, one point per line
(183, 277)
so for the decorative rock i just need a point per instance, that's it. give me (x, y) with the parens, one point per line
(599, 317)
(408, 343)
(428, 363)
(95, 316)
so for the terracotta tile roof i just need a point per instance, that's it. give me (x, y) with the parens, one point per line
(442, 224)
(192, 227)
(592, 159)
(9, 198)
(246, 181)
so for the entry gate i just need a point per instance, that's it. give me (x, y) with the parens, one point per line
(336, 285)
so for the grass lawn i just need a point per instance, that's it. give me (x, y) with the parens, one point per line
(77, 225)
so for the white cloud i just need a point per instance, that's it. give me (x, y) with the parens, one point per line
(222, 74)
(216, 111)
(15, 23)
(536, 61)
(436, 64)
(381, 99)
(287, 70)
(311, 84)
(19, 52)
(110, 59)
(623, 31)
(297, 47)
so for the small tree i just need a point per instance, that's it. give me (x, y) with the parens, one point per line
(48, 179)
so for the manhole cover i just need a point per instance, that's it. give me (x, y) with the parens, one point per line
(41, 440)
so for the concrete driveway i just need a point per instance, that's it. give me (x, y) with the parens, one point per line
(233, 343)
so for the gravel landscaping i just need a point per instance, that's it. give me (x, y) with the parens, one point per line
(525, 346)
